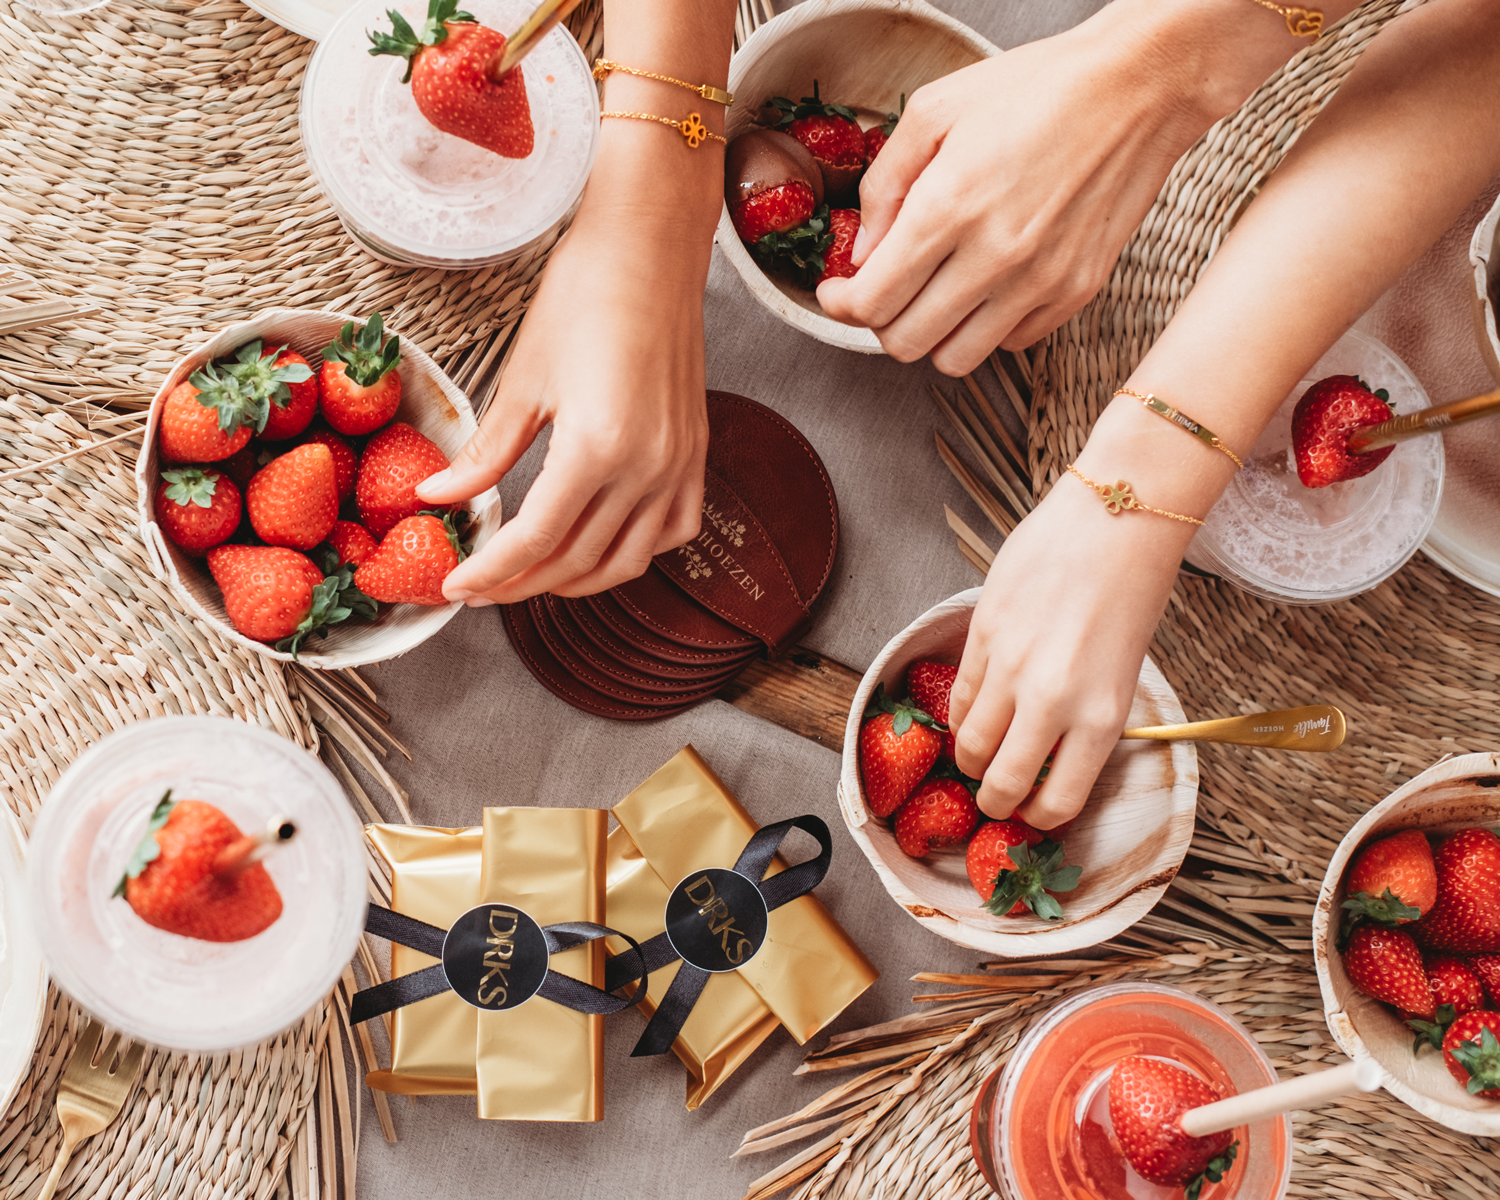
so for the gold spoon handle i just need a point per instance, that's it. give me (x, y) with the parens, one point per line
(1424, 420)
(521, 43)
(1312, 727)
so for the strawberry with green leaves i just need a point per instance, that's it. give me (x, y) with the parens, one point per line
(361, 385)
(1147, 1100)
(279, 385)
(447, 64)
(294, 500)
(1327, 414)
(205, 418)
(1455, 990)
(412, 561)
(830, 131)
(1386, 964)
(897, 747)
(197, 508)
(1393, 881)
(1014, 868)
(938, 814)
(273, 594)
(395, 460)
(1471, 1052)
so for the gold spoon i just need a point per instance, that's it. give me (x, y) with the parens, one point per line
(521, 43)
(1424, 420)
(1312, 727)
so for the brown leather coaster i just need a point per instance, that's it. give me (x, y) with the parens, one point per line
(702, 612)
(619, 661)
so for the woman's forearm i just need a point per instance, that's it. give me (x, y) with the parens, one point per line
(1396, 156)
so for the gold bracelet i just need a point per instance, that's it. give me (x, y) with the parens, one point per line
(602, 67)
(1162, 409)
(1119, 498)
(1300, 22)
(692, 129)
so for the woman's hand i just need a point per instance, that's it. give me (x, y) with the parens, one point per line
(611, 355)
(1055, 648)
(1003, 199)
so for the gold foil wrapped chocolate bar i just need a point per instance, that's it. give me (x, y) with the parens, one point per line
(681, 833)
(532, 1061)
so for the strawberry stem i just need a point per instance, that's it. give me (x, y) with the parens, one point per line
(1217, 1168)
(406, 42)
(149, 849)
(1431, 1033)
(1481, 1060)
(368, 356)
(191, 485)
(1037, 873)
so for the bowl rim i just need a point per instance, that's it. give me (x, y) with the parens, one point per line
(1484, 249)
(1340, 1026)
(485, 506)
(787, 24)
(1097, 927)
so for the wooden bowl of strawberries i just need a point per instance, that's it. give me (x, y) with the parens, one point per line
(817, 90)
(1406, 937)
(275, 492)
(999, 886)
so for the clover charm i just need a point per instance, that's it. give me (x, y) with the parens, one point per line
(1304, 22)
(1117, 498)
(694, 130)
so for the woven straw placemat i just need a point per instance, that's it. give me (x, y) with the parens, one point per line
(154, 178)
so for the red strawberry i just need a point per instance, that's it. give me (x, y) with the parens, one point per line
(345, 460)
(361, 386)
(294, 500)
(448, 66)
(1392, 881)
(1471, 1052)
(831, 132)
(351, 543)
(930, 684)
(395, 461)
(1466, 918)
(1147, 1098)
(1486, 968)
(203, 419)
(197, 509)
(772, 184)
(1386, 964)
(1327, 414)
(242, 465)
(897, 747)
(171, 884)
(281, 383)
(412, 561)
(844, 224)
(273, 594)
(1014, 867)
(877, 135)
(937, 814)
(1455, 990)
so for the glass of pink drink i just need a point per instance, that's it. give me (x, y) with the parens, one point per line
(1041, 1128)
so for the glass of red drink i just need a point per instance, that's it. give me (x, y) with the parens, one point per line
(1041, 1127)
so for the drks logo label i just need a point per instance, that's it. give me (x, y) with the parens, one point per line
(716, 919)
(495, 956)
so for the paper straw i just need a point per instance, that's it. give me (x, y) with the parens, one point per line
(1305, 1091)
(237, 857)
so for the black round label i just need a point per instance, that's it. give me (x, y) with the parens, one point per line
(716, 919)
(495, 956)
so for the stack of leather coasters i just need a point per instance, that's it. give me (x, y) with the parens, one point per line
(698, 616)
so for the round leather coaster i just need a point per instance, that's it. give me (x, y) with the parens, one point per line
(613, 615)
(666, 610)
(553, 676)
(615, 658)
(648, 693)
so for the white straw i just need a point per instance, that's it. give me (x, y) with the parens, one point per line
(1303, 1092)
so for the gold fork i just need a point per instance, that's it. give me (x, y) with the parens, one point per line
(92, 1092)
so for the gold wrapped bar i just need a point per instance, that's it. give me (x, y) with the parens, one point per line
(808, 971)
(538, 1061)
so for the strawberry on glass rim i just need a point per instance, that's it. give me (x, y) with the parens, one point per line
(1327, 414)
(447, 64)
(1147, 1099)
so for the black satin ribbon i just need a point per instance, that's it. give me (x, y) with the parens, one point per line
(754, 860)
(433, 981)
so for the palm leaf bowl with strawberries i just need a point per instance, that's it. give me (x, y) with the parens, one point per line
(420, 407)
(1452, 929)
(1126, 845)
(859, 56)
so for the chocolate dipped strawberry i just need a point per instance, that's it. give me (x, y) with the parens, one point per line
(831, 132)
(447, 64)
(772, 184)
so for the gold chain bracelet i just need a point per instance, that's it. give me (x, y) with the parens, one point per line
(603, 66)
(1119, 498)
(1162, 409)
(1300, 22)
(692, 128)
